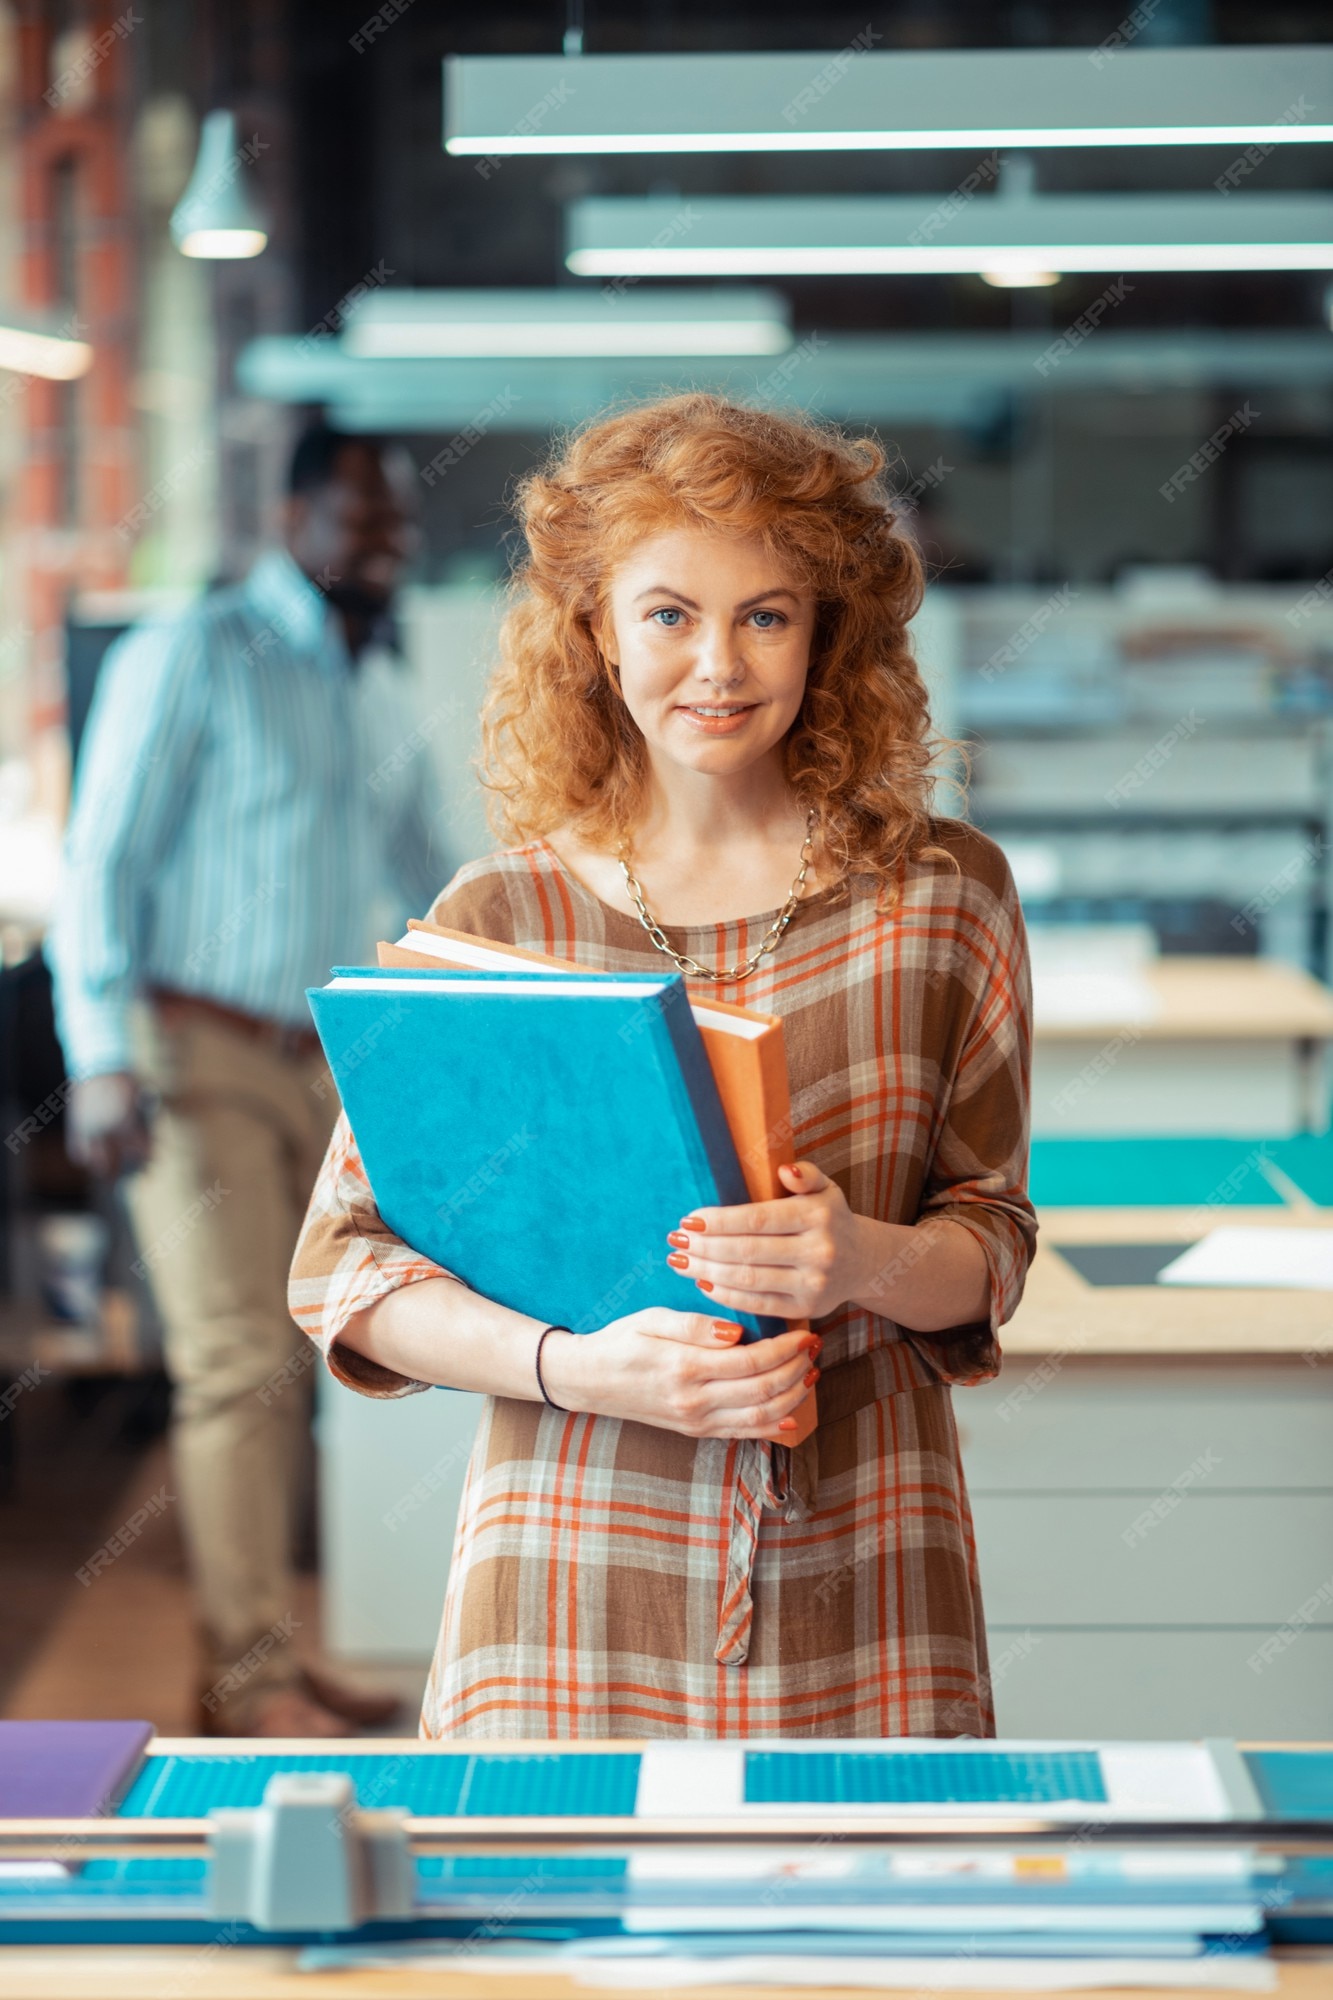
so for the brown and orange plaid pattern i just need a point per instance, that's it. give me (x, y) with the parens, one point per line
(611, 1579)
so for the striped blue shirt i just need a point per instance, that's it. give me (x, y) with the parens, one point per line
(245, 795)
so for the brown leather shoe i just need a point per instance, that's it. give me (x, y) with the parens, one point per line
(281, 1711)
(368, 1708)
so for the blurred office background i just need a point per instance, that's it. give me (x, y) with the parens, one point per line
(1121, 475)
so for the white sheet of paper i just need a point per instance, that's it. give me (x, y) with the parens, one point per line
(1236, 1973)
(1297, 1259)
(638, 1967)
(1152, 1920)
(1143, 1780)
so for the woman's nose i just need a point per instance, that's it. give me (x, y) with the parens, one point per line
(719, 658)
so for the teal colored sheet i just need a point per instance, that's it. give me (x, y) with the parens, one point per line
(185, 1787)
(904, 1777)
(1158, 1173)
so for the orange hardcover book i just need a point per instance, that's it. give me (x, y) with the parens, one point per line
(745, 1051)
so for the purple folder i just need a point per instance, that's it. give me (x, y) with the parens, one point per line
(67, 1770)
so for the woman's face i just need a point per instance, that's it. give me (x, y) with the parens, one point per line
(712, 642)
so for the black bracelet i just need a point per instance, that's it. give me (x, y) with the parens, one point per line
(537, 1362)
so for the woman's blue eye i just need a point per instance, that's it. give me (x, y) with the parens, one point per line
(776, 615)
(668, 611)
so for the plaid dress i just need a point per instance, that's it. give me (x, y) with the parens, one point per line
(612, 1579)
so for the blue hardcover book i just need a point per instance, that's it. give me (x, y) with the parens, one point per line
(536, 1136)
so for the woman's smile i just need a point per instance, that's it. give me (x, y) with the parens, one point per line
(717, 718)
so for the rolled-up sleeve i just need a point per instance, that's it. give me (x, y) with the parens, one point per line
(978, 1172)
(346, 1259)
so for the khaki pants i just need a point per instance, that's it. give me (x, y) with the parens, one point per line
(238, 1136)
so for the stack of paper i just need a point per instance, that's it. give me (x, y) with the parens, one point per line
(888, 1916)
(1092, 1901)
(829, 1909)
(644, 1965)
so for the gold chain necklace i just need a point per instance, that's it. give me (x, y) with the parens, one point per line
(771, 937)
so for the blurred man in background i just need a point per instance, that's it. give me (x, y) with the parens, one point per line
(250, 783)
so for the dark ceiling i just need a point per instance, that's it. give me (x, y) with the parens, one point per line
(367, 187)
(374, 184)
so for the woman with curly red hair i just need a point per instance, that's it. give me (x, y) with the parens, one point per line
(708, 747)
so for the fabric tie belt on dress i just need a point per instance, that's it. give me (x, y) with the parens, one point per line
(786, 1480)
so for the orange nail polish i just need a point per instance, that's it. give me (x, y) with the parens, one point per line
(678, 1239)
(812, 1378)
(726, 1329)
(703, 1284)
(787, 1424)
(694, 1222)
(677, 1262)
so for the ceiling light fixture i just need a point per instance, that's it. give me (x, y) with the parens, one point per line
(617, 321)
(886, 100)
(950, 379)
(1004, 238)
(29, 349)
(217, 217)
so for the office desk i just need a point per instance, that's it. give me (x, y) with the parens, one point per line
(166, 1973)
(1234, 1045)
(1062, 1313)
(1168, 1190)
(1203, 1416)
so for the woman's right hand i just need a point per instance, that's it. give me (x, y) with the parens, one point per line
(685, 1372)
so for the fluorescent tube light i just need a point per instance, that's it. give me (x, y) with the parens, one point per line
(1009, 238)
(939, 139)
(55, 356)
(477, 324)
(857, 99)
(823, 260)
(579, 337)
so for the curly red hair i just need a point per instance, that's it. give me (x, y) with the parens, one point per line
(559, 747)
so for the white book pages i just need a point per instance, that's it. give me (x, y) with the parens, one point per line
(479, 958)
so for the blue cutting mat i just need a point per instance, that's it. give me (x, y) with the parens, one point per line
(1156, 1173)
(185, 1787)
(1296, 1783)
(906, 1777)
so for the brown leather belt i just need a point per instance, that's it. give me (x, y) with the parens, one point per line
(287, 1040)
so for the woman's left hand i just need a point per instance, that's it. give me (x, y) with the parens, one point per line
(795, 1258)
